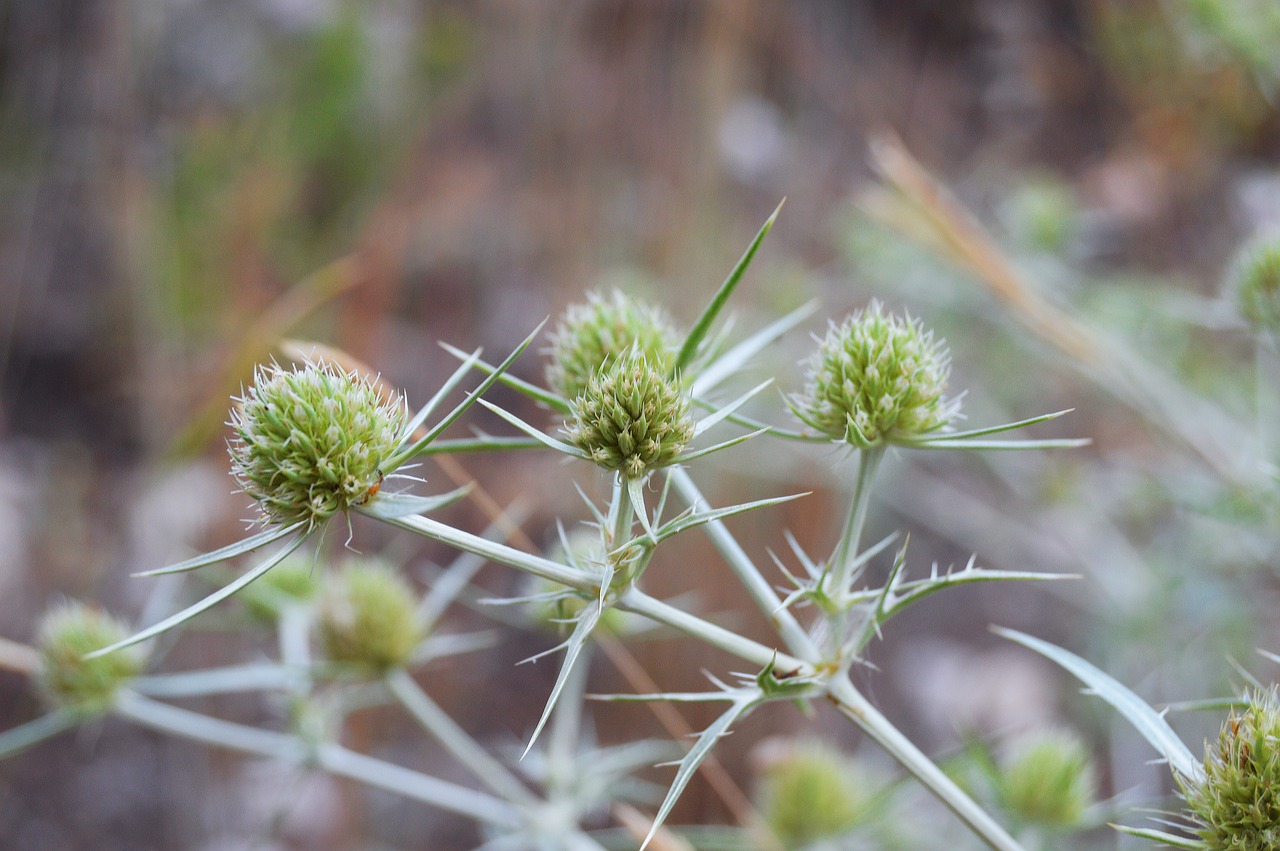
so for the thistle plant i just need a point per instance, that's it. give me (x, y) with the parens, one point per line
(316, 441)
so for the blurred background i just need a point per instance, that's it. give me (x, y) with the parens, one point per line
(1055, 186)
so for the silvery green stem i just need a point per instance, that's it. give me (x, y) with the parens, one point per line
(635, 600)
(332, 758)
(748, 574)
(456, 740)
(851, 703)
(467, 542)
(620, 514)
(846, 551)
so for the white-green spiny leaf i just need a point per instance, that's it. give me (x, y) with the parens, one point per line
(692, 520)
(1147, 721)
(706, 740)
(537, 434)
(546, 397)
(732, 361)
(207, 603)
(228, 552)
(1169, 839)
(386, 506)
(586, 622)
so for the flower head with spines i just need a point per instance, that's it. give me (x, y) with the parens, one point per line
(1255, 283)
(632, 417)
(311, 441)
(877, 378)
(1236, 807)
(85, 686)
(598, 331)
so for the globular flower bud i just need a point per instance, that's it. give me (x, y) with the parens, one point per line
(593, 334)
(1255, 281)
(1048, 780)
(877, 378)
(632, 417)
(809, 793)
(86, 686)
(368, 618)
(311, 441)
(1237, 805)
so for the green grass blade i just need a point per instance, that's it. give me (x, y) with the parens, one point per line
(1145, 720)
(708, 317)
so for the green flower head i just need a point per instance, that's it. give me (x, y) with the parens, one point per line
(86, 686)
(310, 441)
(810, 793)
(1048, 780)
(1255, 282)
(877, 378)
(1237, 806)
(632, 417)
(596, 332)
(368, 618)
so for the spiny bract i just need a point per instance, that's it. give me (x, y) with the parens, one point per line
(1237, 806)
(877, 378)
(632, 417)
(311, 441)
(87, 686)
(593, 333)
(368, 617)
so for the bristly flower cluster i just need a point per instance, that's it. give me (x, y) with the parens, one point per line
(1048, 780)
(1255, 280)
(877, 378)
(367, 617)
(632, 417)
(311, 441)
(598, 331)
(1237, 805)
(67, 678)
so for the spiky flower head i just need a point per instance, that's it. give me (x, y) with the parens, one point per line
(1255, 281)
(632, 417)
(85, 686)
(596, 332)
(810, 793)
(877, 378)
(1237, 806)
(1048, 779)
(368, 617)
(311, 441)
